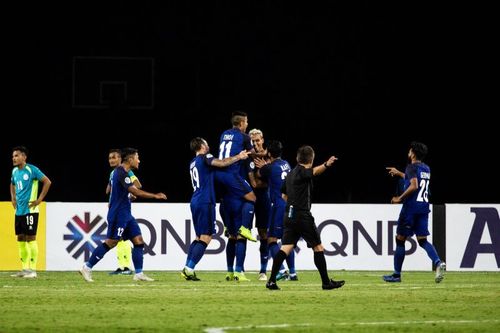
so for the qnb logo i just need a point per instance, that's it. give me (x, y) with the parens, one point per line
(85, 235)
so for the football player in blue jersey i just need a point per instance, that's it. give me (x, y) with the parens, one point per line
(239, 198)
(275, 173)
(414, 215)
(202, 205)
(263, 203)
(121, 223)
(25, 200)
(123, 248)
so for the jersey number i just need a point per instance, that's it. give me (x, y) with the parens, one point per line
(195, 178)
(423, 194)
(19, 185)
(29, 220)
(225, 149)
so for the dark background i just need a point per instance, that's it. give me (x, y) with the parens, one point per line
(359, 81)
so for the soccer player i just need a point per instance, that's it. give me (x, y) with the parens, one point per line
(299, 222)
(123, 248)
(25, 200)
(239, 198)
(414, 215)
(121, 223)
(262, 204)
(202, 205)
(275, 173)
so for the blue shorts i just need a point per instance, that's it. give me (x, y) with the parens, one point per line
(234, 185)
(123, 229)
(262, 209)
(203, 219)
(410, 224)
(230, 211)
(276, 220)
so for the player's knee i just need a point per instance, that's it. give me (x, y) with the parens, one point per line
(318, 248)
(400, 242)
(422, 241)
(110, 243)
(206, 239)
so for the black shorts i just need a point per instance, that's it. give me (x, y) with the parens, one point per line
(26, 224)
(301, 225)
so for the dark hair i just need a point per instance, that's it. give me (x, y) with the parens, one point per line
(128, 152)
(274, 148)
(115, 150)
(305, 154)
(237, 117)
(196, 143)
(419, 149)
(22, 149)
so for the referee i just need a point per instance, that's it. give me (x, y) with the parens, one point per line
(299, 222)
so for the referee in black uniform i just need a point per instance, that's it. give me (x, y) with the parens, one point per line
(299, 222)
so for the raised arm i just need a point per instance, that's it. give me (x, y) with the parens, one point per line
(230, 160)
(143, 194)
(395, 172)
(318, 170)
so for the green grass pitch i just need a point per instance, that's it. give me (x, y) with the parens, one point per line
(64, 302)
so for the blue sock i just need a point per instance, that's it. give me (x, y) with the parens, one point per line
(241, 251)
(273, 249)
(98, 254)
(264, 255)
(138, 257)
(198, 251)
(431, 252)
(190, 251)
(290, 261)
(230, 254)
(247, 210)
(399, 257)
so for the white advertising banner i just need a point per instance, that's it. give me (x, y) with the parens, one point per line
(473, 237)
(355, 237)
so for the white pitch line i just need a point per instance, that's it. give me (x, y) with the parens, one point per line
(414, 322)
(373, 323)
(223, 329)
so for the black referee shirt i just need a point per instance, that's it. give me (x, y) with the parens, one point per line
(298, 186)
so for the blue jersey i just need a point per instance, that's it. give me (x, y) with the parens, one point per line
(246, 167)
(131, 174)
(232, 142)
(418, 201)
(202, 179)
(275, 173)
(25, 181)
(119, 202)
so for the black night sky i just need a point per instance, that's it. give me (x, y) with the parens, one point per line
(359, 81)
